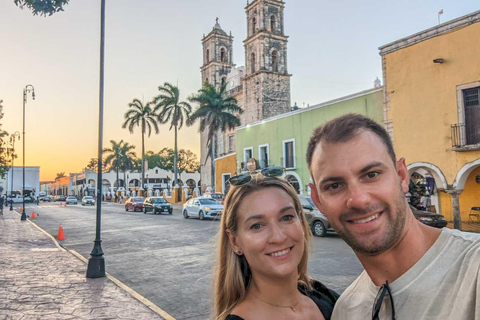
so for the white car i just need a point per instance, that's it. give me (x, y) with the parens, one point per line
(71, 200)
(202, 208)
(88, 200)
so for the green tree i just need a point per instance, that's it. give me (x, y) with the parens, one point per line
(187, 161)
(128, 158)
(6, 153)
(216, 112)
(42, 7)
(141, 116)
(60, 175)
(168, 157)
(171, 109)
(93, 165)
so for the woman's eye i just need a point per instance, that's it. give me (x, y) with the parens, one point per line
(255, 226)
(288, 217)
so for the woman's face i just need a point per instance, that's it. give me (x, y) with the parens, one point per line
(270, 233)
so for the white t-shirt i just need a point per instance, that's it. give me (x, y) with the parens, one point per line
(443, 284)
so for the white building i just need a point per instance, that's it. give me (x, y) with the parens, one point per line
(32, 180)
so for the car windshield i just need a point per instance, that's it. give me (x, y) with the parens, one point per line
(217, 196)
(88, 198)
(138, 199)
(208, 201)
(71, 197)
(310, 201)
(158, 200)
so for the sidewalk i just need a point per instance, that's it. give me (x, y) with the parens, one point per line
(39, 280)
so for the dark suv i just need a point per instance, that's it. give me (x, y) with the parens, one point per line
(156, 205)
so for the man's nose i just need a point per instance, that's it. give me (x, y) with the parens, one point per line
(358, 196)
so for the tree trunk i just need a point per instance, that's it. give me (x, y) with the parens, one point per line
(175, 157)
(212, 151)
(143, 155)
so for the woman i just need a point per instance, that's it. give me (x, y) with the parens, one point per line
(263, 253)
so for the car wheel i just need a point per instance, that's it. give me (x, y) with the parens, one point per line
(319, 229)
(126, 208)
(169, 212)
(144, 210)
(185, 214)
(83, 204)
(201, 215)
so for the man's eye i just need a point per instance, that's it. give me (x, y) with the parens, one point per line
(372, 175)
(332, 186)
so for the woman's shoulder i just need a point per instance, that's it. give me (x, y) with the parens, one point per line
(233, 317)
(323, 297)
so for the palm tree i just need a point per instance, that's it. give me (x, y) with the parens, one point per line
(172, 110)
(143, 117)
(114, 159)
(127, 161)
(216, 112)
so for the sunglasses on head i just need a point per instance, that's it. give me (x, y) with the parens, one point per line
(377, 304)
(247, 177)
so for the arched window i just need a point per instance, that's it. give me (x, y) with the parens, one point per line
(206, 80)
(252, 62)
(208, 55)
(275, 61)
(254, 25)
(222, 55)
(224, 80)
(272, 23)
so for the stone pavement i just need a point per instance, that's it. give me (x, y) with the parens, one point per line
(39, 280)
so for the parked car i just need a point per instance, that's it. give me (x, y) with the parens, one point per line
(429, 218)
(317, 220)
(134, 204)
(71, 200)
(88, 200)
(46, 199)
(216, 196)
(157, 205)
(202, 208)
(60, 198)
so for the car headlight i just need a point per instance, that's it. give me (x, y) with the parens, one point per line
(425, 219)
(441, 218)
(207, 208)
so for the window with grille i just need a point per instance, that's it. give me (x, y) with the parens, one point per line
(472, 115)
(231, 142)
(289, 153)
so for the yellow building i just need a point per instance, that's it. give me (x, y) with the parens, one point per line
(432, 110)
(225, 168)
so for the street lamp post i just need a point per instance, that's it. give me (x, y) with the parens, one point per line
(28, 88)
(14, 135)
(96, 263)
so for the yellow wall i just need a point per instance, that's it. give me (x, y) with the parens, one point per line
(224, 165)
(445, 201)
(470, 197)
(423, 98)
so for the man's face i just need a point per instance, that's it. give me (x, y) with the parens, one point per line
(361, 192)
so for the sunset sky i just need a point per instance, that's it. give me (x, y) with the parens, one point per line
(333, 51)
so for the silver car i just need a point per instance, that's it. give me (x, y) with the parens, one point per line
(71, 200)
(317, 221)
(202, 208)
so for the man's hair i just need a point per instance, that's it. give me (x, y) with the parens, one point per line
(345, 128)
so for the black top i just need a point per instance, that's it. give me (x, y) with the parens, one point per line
(323, 297)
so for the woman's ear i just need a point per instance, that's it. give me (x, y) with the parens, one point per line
(233, 242)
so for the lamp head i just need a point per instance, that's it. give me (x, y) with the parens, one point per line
(33, 94)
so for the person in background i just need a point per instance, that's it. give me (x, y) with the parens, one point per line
(262, 254)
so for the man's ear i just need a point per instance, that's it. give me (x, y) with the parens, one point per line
(315, 198)
(232, 240)
(403, 175)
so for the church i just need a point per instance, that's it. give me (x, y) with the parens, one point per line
(261, 87)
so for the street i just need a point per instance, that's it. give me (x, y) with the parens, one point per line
(169, 259)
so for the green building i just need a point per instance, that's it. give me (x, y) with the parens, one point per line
(282, 140)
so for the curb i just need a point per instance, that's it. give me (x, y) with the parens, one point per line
(117, 282)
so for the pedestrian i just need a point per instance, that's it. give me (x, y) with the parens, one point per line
(2, 200)
(423, 203)
(412, 271)
(262, 254)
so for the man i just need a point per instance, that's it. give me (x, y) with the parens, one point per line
(425, 273)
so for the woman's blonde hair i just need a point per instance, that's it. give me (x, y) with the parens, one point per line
(232, 274)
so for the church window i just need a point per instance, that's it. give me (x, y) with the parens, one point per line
(206, 80)
(275, 61)
(252, 62)
(272, 23)
(222, 55)
(224, 80)
(254, 25)
(208, 55)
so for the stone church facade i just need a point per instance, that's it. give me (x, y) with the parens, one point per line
(261, 87)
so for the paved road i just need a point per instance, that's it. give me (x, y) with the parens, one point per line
(169, 259)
